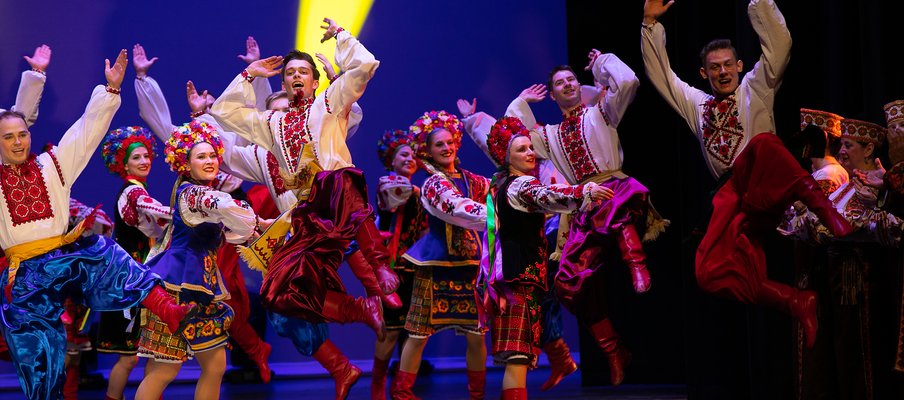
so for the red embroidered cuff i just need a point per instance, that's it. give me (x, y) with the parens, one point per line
(341, 29)
(113, 90)
(197, 114)
(247, 76)
(39, 71)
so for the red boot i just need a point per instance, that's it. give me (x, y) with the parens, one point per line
(560, 362)
(514, 394)
(618, 355)
(477, 382)
(800, 304)
(808, 192)
(250, 342)
(164, 306)
(343, 372)
(371, 243)
(631, 248)
(342, 308)
(70, 388)
(378, 379)
(365, 273)
(401, 386)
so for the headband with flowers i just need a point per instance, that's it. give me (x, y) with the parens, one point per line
(119, 144)
(184, 137)
(427, 123)
(500, 138)
(390, 143)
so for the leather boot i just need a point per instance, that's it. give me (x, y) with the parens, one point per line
(514, 394)
(560, 363)
(618, 355)
(343, 372)
(164, 306)
(250, 342)
(365, 273)
(477, 382)
(378, 379)
(800, 304)
(70, 387)
(401, 386)
(371, 243)
(342, 308)
(808, 192)
(632, 253)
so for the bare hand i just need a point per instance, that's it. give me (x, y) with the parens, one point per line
(591, 57)
(327, 66)
(874, 178)
(331, 29)
(267, 67)
(653, 9)
(41, 59)
(264, 224)
(140, 59)
(599, 193)
(464, 108)
(534, 93)
(252, 51)
(197, 102)
(115, 73)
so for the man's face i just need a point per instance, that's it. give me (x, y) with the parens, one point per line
(15, 140)
(565, 90)
(722, 70)
(298, 77)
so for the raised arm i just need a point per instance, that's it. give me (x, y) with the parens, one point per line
(527, 194)
(231, 110)
(357, 65)
(31, 86)
(520, 108)
(442, 200)
(393, 191)
(620, 82)
(477, 124)
(81, 140)
(682, 97)
(775, 42)
(200, 204)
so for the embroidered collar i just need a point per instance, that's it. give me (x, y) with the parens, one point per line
(577, 111)
(302, 104)
(133, 178)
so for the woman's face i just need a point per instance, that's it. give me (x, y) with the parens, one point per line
(139, 163)
(442, 149)
(854, 155)
(203, 162)
(403, 163)
(521, 155)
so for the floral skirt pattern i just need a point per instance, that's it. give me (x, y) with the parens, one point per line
(443, 298)
(205, 331)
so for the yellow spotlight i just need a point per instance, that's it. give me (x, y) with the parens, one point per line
(349, 14)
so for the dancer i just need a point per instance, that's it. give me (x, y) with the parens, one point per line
(31, 85)
(736, 130)
(55, 263)
(513, 266)
(139, 221)
(202, 218)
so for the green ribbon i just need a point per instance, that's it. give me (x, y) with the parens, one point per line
(491, 227)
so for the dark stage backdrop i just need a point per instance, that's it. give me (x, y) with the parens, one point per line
(431, 54)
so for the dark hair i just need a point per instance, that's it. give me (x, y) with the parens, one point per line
(718, 44)
(300, 55)
(274, 96)
(554, 71)
(13, 114)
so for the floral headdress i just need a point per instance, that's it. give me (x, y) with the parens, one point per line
(390, 143)
(119, 144)
(427, 123)
(501, 135)
(187, 136)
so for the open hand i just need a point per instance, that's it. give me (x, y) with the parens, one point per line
(140, 60)
(534, 93)
(591, 57)
(115, 73)
(197, 102)
(252, 51)
(327, 66)
(331, 29)
(267, 67)
(653, 9)
(464, 108)
(41, 59)
(874, 177)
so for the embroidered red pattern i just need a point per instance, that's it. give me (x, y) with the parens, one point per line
(279, 187)
(25, 192)
(294, 132)
(56, 164)
(722, 129)
(571, 140)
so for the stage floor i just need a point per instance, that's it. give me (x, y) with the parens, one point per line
(439, 385)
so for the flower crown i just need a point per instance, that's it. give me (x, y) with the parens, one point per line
(389, 143)
(184, 137)
(429, 122)
(501, 135)
(117, 143)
